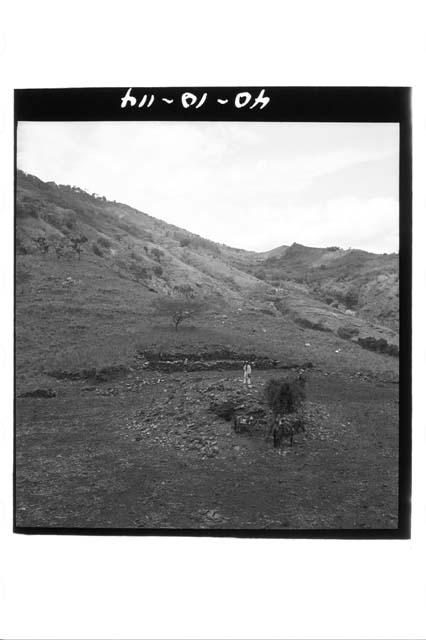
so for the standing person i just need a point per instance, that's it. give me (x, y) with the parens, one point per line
(247, 373)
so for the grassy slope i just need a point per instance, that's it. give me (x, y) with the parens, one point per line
(105, 312)
(331, 273)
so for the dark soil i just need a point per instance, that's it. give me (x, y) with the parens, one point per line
(148, 452)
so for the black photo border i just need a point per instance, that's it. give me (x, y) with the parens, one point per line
(287, 104)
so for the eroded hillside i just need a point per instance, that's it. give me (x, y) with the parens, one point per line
(363, 282)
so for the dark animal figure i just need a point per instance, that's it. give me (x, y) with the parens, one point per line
(284, 428)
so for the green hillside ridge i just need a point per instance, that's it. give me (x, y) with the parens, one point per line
(354, 279)
(95, 309)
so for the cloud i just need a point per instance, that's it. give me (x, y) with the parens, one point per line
(252, 185)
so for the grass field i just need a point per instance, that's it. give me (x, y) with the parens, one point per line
(89, 458)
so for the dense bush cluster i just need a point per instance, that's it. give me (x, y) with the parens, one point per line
(347, 332)
(351, 297)
(184, 241)
(285, 395)
(157, 254)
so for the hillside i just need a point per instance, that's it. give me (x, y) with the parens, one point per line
(117, 421)
(357, 280)
(94, 308)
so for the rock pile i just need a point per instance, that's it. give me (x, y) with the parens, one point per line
(212, 359)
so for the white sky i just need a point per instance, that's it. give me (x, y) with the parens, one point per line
(249, 185)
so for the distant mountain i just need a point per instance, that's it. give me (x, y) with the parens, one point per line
(346, 279)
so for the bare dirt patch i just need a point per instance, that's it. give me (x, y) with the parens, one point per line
(148, 453)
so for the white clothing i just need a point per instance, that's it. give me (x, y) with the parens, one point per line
(247, 374)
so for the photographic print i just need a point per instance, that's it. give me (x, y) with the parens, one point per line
(207, 312)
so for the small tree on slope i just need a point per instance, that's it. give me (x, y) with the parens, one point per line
(178, 309)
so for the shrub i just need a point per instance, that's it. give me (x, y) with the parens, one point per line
(393, 350)
(42, 244)
(347, 332)
(208, 245)
(285, 395)
(351, 298)
(131, 229)
(138, 271)
(184, 290)
(96, 250)
(70, 219)
(157, 270)
(261, 274)
(157, 254)
(53, 219)
(223, 410)
(136, 256)
(104, 242)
